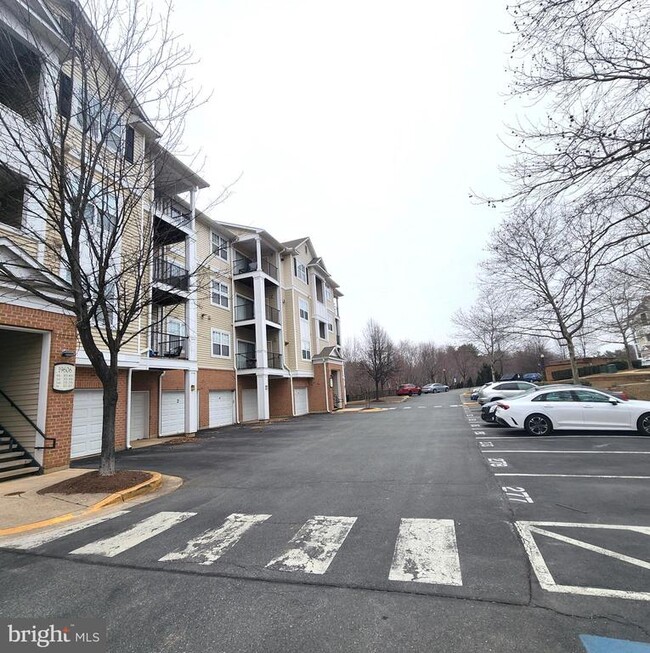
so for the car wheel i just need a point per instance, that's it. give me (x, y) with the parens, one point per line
(537, 424)
(419, 393)
(643, 424)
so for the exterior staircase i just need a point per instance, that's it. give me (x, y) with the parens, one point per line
(15, 460)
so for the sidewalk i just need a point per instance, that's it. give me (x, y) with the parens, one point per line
(22, 509)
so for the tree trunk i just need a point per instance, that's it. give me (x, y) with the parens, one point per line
(107, 460)
(628, 353)
(572, 359)
(376, 390)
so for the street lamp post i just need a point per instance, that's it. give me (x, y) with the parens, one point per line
(444, 373)
(541, 364)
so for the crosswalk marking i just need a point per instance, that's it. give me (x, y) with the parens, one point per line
(138, 533)
(426, 552)
(25, 542)
(314, 545)
(211, 545)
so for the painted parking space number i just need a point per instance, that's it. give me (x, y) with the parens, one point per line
(497, 462)
(518, 494)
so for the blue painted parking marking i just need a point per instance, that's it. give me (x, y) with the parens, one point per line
(595, 644)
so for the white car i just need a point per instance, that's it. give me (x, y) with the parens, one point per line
(434, 388)
(503, 390)
(540, 412)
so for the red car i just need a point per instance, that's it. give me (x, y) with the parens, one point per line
(409, 389)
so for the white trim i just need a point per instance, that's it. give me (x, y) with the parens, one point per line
(214, 330)
(43, 386)
(228, 294)
(218, 252)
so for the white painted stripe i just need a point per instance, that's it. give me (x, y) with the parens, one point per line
(37, 539)
(564, 437)
(573, 475)
(642, 453)
(544, 576)
(140, 532)
(211, 545)
(314, 545)
(426, 552)
(437, 406)
(407, 407)
(454, 406)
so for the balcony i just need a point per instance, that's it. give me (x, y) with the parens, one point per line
(244, 312)
(275, 360)
(243, 265)
(245, 361)
(171, 274)
(272, 314)
(269, 268)
(167, 345)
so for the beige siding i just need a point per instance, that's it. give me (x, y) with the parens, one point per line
(20, 372)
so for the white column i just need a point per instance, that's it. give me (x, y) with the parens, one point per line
(263, 407)
(191, 265)
(191, 403)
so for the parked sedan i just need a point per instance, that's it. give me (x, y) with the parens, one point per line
(409, 389)
(503, 390)
(541, 412)
(435, 387)
(488, 410)
(476, 391)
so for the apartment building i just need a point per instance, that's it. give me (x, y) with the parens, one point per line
(236, 326)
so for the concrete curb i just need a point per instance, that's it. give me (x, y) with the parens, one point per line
(150, 485)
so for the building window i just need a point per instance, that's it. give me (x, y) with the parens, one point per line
(220, 344)
(300, 271)
(330, 327)
(219, 246)
(65, 95)
(305, 335)
(328, 293)
(319, 289)
(322, 332)
(129, 144)
(21, 74)
(220, 294)
(12, 197)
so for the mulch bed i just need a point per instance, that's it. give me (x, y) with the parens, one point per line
(93, 483)
(182, 440)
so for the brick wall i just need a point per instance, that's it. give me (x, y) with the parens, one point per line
(173, 380)
(280, 397)
(212, 380)
(58, 421)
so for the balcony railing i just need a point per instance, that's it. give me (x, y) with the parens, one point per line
(269, 268)
(244, 312)
(170, 273)
(167, 345)
(172, 212)
(275, 360)
(246, 361)
(243, 265)
(272, 314)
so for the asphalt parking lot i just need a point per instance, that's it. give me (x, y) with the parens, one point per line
(581, 504)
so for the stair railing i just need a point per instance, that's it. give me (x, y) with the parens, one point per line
(17, 408)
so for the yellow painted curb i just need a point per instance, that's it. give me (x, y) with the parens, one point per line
(149, 485)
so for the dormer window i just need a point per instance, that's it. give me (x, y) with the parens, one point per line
(300, 270)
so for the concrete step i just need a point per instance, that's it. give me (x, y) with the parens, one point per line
(19, 462)
(6, 455)
(13, 473)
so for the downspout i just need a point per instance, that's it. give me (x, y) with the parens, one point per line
(327, 388)
(160, 380)
(293, 407)
(128, 408)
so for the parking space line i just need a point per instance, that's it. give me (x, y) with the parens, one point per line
(572, 475)
(641, 453)
(563, 437)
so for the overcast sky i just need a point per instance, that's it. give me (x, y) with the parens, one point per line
(362, 124)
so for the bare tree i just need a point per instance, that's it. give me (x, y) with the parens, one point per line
(485, 324)
(378, 355)
(103, 98)
(547, 261)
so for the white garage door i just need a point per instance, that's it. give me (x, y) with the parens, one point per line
(249, 405)
(139, 415)
(87, 414)
(172, 413)
(301, 400)
(221, 408)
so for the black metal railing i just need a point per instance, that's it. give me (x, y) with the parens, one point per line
(243, 265)
(167, 345)
(272, 314)
(170, 273)
(275, 360)
(269, 268)
(246, 361)
(30, 421)
(244, 311)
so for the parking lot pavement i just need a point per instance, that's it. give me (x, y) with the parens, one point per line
(581, 505)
